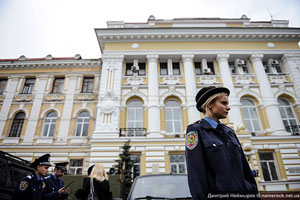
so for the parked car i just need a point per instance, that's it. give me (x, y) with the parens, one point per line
(160, 186)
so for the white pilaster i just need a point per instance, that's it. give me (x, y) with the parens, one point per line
(153, 98)
(234, 102)
(190, 85)
(292, 65)
(269, 101)
(9, 95)
(40, 85)
(108, 107)
(68, 107)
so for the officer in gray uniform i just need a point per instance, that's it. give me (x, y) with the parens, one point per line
(31, 186)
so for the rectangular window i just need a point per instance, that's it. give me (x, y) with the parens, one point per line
(245, 69)
(142, 69)
(163, 69)
(210, 65)
(3, 83)
(58, 85)
(268, 166)
(176, 68)
(232, 67)
(76, 166)
(278, 69)
(198, 68)
(128, 69)
(177, 164)
(266, 66)
(28, 86)
(88, 85)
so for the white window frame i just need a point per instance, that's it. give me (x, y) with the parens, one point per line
(268, 164)
(251, 119)
(136, 119)
(51, 122)
(177, 164)
(285, 110)
(173, 120)
(85, 121)
(76, 167)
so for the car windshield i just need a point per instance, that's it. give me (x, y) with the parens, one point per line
(165, 186)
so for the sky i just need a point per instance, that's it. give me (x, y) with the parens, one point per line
(63, 28)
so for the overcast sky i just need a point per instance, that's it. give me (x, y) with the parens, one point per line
(63, 28)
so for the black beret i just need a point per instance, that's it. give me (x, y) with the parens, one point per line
(43, 160)
(207, 92)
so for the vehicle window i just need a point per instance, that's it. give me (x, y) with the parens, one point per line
(172, 186)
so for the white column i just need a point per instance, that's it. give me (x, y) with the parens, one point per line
(108, 107)
(292, 65)
(9, 95)
(40, 86)
(190, 85)
(153, 98)
(65, 119)
(269, 101)
(234, 102)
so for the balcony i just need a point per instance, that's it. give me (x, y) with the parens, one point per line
(133, 132)
(293, 129)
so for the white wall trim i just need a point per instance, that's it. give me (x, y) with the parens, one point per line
(49, 109)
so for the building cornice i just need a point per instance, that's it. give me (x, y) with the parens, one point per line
(49, 64)
(197, 34)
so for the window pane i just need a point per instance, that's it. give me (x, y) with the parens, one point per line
(177, 114)
(256, 125)
(248, 125)
(84, 114)
(181, 168)
(169, 128)
(245, 113)
(78, 131)
(168, 114)
(173, 169)
(52, 128)
(265, 170)
(253, 112)
(290, 112)
(130, 114)
(85, 130)
(282, 112)
(273, 171)
(46, 127)
(266, 156)
(177, 126)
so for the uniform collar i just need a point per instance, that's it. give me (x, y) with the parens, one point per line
(212, 122)
(54, 176)
(37, 176)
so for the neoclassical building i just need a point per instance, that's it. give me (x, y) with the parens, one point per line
(143, 89)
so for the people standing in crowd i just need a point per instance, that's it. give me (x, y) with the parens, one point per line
(99, 179)
(215, 160)
(80, 194)
(54, 188)
(31, 186)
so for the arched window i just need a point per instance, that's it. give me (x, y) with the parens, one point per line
(173, 117)
(286, 112)
(49, 124)
(135, 114)
(82, 126)
(17, 125)
(250, 115)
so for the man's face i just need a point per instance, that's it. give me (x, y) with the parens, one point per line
(42, 170)
(59, 172)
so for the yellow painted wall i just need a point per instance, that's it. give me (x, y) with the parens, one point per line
(220, 45)
(51, 70)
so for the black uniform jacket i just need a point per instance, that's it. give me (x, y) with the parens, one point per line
(216, 162)
(102, 189)
(52, 186)
(29, 188)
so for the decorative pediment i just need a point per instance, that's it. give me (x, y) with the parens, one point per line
(278, 79)
(208, 79)
(171, 80)
(85, 97)
(54, 97)
(24, 97)
(244, 79)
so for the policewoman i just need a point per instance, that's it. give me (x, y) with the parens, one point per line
(215, 161)
(55, 189)
(31, 186)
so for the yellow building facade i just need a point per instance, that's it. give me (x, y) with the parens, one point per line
(143, 89)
